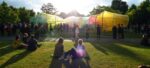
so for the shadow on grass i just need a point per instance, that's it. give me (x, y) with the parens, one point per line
(117, 48)
(55, 63)
(132, 44)
(100, 48)
(15, 58)
(6, 50)
(4, 44)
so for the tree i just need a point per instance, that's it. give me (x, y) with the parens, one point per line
(13, 16)
(144, 12)
(139, 15)
(63, 15)
(10, 14)
(115, 4)
(24, 15)
(4, 12)
(74, 13)
(100, 9)
(32, 13)
(123, 7)
(133, 6)
(48, 8)
(119, 5)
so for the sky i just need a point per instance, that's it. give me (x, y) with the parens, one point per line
(82, 6)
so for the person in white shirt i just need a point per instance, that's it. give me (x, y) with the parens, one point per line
(77, 32)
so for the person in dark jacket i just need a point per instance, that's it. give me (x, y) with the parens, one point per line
(32, 44)
(114, 30)
(58, 52)
(119, 31)
(122, 31)
(87, 33)
(59, 48)
(98, 31)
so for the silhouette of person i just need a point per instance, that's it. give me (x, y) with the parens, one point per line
(58, 52)
(98, 31)
(32, 43)
(87, 33)
(114, 30)
(122, 31)
(119, 31)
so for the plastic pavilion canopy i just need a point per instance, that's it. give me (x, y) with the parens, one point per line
(46, 18)
(105, 19)
(80, 21)
(108, 19)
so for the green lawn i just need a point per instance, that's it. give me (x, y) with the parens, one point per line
(103, 54)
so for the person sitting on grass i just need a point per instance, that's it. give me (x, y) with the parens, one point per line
(32, 43)
(68, 55)
(17, 44)
(25, 38)
(78, 53)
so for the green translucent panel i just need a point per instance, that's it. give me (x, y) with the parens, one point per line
(46, 18)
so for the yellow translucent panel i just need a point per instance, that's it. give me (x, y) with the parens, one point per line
(108, 19)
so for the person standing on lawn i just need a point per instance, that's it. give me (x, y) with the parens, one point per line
(98, 31)
(58, 52)
(114, 30)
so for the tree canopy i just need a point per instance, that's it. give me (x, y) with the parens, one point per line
(48, 8)
(120, 6)
(10, 14)
(139, 15)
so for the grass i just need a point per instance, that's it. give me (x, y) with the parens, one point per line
(103, 54)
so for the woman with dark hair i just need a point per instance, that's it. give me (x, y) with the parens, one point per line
(59, 48)
(58, 52)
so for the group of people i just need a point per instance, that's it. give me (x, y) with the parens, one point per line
(118, 31)
(9, 29)
(27, 41)
(76, 57)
